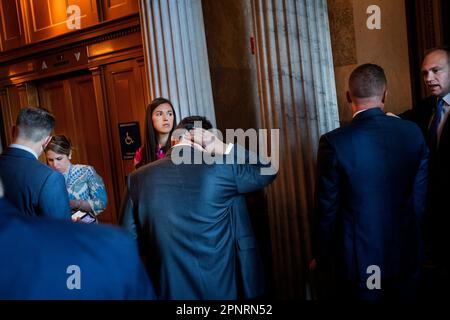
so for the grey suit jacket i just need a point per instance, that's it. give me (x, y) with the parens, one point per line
(182, 217)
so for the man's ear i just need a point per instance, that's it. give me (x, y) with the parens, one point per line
(384, 96)
(174, 141)
(349, 98)
(70, 155)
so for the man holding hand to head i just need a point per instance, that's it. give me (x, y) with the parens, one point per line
(184, 212)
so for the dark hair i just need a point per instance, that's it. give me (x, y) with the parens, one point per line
(190, 123)
(34, 123)
(150, 138)
(367, 80)
(59, 144)
(194, 122)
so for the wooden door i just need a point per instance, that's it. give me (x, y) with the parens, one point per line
(127, 94)
(72, 102)
(46, 19)
(11, 26)
(113, 9)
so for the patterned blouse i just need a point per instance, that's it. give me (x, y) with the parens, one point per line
(83, 183)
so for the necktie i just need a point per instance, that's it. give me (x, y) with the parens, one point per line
(435, 123)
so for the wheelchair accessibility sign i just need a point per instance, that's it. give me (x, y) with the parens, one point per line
(130, 139)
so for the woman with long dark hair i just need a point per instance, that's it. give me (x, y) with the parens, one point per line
(160, 121)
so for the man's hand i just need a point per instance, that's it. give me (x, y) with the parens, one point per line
(209, 141)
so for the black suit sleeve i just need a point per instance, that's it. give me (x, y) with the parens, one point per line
(421, 183)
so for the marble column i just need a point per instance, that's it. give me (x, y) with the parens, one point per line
(176, 55)
(298, 96)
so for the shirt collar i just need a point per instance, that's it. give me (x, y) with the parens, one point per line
(25, 148)
(360, 111)
(446, 99)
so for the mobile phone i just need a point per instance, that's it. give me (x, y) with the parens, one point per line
(85, 217)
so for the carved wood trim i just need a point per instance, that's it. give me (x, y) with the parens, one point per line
(101, 32)
(29, 68)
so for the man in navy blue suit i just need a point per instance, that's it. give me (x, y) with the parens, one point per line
(432, 116)
(372, 182)
(51, 259)
(31, 186)
(189, 218)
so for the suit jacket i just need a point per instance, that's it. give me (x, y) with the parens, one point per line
(250, 270)
(439, 182)
(183, 218)
(372, 179)
(37, 255)
(32, 187)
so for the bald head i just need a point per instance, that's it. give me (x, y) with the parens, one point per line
(367, 80)
(436, 71)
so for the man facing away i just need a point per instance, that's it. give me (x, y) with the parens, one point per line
(31, 186)
(372, 180)
(51, 259)
(184, 215)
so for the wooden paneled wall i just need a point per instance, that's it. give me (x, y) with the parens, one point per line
(91, 82)
(113, 9)
(73, 103)
(127, 103)
(11, 27)
(30, 21)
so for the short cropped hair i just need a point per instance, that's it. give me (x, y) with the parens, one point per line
(34, 124)
(190, 123)
(194, 122)
(367, 80)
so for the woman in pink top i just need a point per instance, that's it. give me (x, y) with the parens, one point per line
(160, 122)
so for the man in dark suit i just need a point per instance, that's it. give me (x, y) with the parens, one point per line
(186, 215)
(31, 186)
(372, 180)
(431, 114)
(51, 259)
